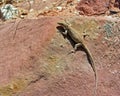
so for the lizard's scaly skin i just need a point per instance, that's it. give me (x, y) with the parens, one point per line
(74, 35)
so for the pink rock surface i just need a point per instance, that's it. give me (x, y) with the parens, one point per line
(37, 54)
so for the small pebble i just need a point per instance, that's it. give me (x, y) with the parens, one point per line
(76, 12)
(114, 72)
(46, 8)
(59, 8)
(44, 0)
(78, 0)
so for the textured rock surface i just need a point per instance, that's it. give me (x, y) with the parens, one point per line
(35, 63)
(97, 7)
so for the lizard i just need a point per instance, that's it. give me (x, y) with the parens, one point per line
(74, 35)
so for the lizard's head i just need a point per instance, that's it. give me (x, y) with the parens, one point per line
(63, 24)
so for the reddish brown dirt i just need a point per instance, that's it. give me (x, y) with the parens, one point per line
(66, 7)
(97, 7)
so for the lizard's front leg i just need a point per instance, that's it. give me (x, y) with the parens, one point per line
(76, 47)
(65, 32)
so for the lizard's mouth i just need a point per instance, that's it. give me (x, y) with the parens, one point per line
(60, 23)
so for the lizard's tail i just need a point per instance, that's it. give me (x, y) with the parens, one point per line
(96, 82)
(91, 61)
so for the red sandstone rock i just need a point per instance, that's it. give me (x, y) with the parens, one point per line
(96, 7)
(37, 56)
